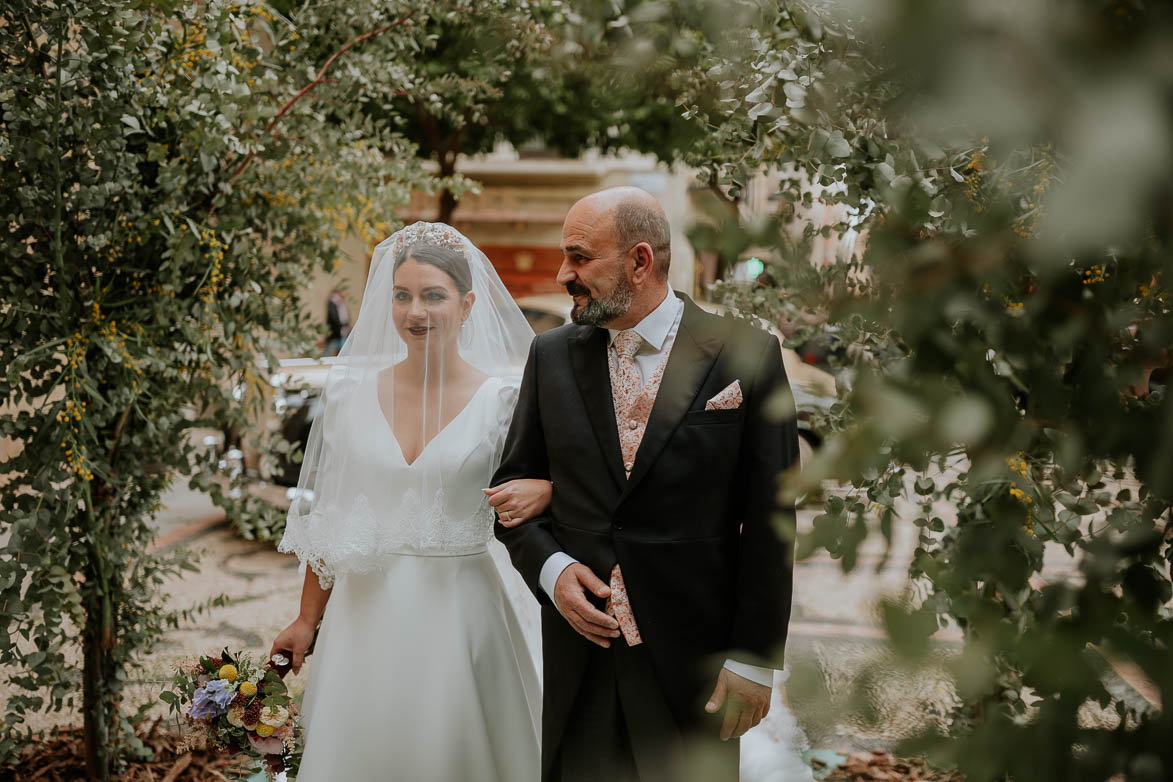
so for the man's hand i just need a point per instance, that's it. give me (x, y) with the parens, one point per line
(746, 703)
(570, 599)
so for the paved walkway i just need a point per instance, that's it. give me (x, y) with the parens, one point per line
(846, 690)
(834, 631)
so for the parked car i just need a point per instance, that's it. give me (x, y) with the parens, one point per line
(814, 390)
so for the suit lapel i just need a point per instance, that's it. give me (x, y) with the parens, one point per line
(588, 358)
(692, 356)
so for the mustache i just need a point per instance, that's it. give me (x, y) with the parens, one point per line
(576, 289)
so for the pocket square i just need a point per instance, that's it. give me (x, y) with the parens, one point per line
(728, 399)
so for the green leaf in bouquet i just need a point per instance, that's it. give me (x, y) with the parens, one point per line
(273, 701)
(273, 684)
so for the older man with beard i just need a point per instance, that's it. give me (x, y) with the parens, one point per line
(664, 582)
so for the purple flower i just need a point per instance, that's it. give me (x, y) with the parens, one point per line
(212, 699)
(202, 705)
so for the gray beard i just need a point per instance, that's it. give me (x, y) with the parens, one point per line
(598, 312)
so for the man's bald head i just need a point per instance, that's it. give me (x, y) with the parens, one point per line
(615, 252)
(636, 216)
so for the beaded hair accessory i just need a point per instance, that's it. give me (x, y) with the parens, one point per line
(436, 234)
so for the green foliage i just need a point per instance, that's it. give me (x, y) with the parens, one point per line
(1010, 167)
(481, 72)
(169, 183)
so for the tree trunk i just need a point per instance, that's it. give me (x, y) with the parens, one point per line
(446, 203)
(95, 693)
(98, 674)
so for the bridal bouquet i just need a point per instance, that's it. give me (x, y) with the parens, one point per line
(239, 707)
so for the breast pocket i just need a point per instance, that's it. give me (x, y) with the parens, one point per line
(710, 417)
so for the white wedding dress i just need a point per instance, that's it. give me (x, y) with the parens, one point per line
(422, 670)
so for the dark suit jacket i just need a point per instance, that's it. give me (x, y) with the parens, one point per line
(695, 528)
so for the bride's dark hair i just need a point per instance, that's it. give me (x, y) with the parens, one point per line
(447, 259)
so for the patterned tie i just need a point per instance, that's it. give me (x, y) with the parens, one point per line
(626, 379)
(626, 385)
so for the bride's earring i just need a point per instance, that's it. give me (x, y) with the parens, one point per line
(465, 339)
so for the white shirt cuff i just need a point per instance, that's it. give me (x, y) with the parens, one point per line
(756, 674)
(552, 569)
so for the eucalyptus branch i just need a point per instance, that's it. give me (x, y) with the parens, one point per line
(41, 347)
(318, 79)
(715, 187)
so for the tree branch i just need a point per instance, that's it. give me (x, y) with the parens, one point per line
(715, 187)
(118, 435)
(319, 79)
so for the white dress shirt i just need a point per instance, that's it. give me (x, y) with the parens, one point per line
(658, 329)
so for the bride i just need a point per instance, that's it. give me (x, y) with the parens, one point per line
(425, 665)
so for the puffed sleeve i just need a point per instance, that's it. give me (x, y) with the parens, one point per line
(507, 396)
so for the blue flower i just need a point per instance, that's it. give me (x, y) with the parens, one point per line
(212, 699)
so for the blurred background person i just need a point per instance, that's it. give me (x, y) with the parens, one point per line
(337, 321)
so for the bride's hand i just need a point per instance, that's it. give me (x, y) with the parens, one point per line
(294, 640)
(520, 500)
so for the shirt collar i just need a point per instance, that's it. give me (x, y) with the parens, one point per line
(656, 324)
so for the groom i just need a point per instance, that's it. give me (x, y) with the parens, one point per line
(664, 582)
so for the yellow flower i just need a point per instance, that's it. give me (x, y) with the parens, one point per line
(248, 689)
(228, 672)
(264, 731)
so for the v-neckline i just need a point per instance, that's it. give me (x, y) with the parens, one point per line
(436, 436)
